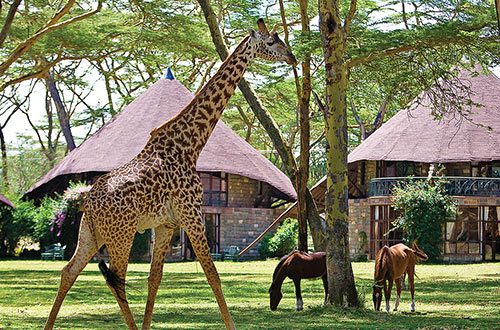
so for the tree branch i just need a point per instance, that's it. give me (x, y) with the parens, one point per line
(350, 15)
(8, 20)
(24, 46)
(497, 6)
(429, 42)
(358, 120)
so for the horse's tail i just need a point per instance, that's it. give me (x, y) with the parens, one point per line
(379, 262)
(418, 253)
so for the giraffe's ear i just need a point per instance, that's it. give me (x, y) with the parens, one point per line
(252, 32)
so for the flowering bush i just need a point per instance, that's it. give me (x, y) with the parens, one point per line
(424, 206)
(68, 206)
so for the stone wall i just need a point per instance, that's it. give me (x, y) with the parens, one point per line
(243, 191)
(359, 221)
(241, 226)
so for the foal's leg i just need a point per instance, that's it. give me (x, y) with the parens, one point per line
(298, 294)
(387, 293)
(325, 286)
(412, 289)
(162, 237)
(398, 291)
(85, 249)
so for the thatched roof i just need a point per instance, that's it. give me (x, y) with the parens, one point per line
(415, 136)
(119, 140)
(5, 201)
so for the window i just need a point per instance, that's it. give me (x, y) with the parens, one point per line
(462, 236)
(491, 233)
(214, 188)
(382, 217)
(212, 231)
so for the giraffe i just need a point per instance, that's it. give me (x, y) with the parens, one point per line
(160, 189)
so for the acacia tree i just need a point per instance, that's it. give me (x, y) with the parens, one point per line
(429, 26)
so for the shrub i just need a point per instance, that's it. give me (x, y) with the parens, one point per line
(425, 206)
(264, 250)
(140, 246)
(17, 224)
(282, 242)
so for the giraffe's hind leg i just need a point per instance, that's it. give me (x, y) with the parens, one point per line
(196, 233)
(85, 249)
(162, 237)
(119, 252)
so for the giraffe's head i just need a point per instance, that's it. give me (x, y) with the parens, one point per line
(270, 46)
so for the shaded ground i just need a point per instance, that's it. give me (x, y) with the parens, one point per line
(447, 297)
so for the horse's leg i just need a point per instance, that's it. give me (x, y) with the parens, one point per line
(298, 294)
(325, 286)
(162, 236)
(387, 293)
(85, 249)
(398, 291)
(412, 288)
(403, 286)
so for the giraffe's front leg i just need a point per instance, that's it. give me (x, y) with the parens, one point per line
(162, 237)
(196, 233)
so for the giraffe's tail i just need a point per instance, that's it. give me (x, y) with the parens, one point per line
(113, 280)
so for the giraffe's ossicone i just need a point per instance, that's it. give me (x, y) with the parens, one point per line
(160, 189)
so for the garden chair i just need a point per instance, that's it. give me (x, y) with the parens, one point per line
(232, 253)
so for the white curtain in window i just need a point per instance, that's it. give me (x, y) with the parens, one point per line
(498, 218)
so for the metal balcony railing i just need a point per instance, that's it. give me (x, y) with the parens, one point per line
(457, 186)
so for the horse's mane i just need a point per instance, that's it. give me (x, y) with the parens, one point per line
(282, 261)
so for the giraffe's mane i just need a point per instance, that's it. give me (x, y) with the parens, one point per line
(210, 81)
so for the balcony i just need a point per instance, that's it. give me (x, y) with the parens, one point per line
(457, 186)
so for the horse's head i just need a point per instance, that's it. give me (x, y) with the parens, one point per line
(275, 296)
(377, 296)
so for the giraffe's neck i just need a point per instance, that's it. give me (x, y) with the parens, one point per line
(191, 128)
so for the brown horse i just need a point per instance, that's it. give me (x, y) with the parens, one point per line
(297, 265)
(390, 265)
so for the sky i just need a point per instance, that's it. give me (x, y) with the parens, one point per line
(18, 125)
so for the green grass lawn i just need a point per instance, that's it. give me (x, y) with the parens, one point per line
(447, 297)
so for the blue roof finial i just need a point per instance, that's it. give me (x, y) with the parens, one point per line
(169, 75)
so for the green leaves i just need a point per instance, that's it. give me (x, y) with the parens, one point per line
(282, 242)
(424, 207)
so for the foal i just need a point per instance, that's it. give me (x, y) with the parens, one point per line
(390, 265)
(297, 265)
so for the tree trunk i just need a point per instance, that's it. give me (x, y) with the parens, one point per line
(304, 97)
(3, 146)
(61, 112)
(340, 275)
